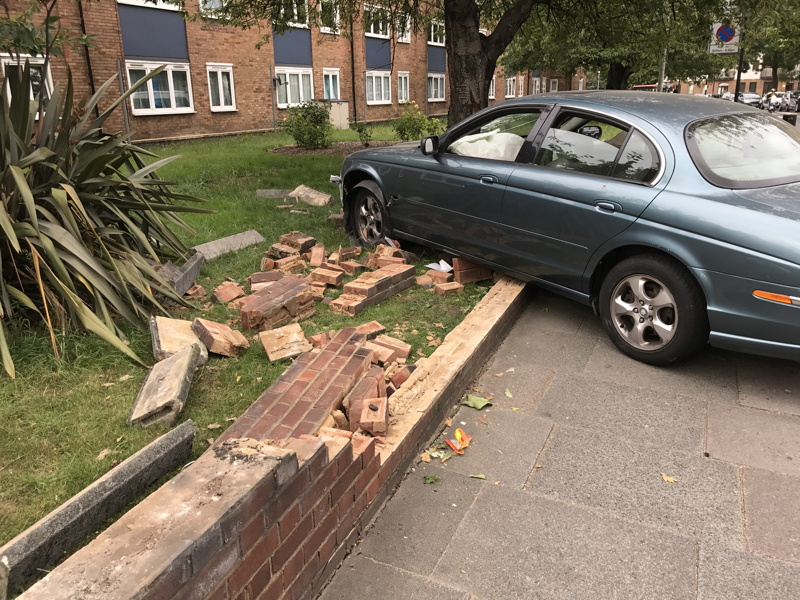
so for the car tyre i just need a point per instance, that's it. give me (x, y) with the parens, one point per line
(653, 310)
(369, 221)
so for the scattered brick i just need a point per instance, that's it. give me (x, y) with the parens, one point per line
(340, 419)
(319, 340)
(219, 338)
(288, 299)
(236, 304)
(317, 255)
(374, 287)
(285, 342)
(390, 389)
(331, 432)
(196, 291)
(267, 264)
(350, 252)
(399, 346)
(299, 241)
(348, 304)
(448, 289)
(381, 354)
(402, 375)
(265, 277)
(465, 271)
(351, 267)
(291, 264)
(318, 291)
(278, 251)
(371, 329)
(424, 281)
(439, 276)
(326, 276)
(384, 250)
(375, 415)
(227, 291)
(385, 261)
(333, 267)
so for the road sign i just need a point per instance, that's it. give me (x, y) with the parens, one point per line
(725, 39)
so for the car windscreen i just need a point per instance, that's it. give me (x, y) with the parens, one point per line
(745, 151)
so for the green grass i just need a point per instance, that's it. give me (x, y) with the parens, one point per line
(61, 413)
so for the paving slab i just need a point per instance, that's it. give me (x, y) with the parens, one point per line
(755, 438)
(710, 375)
(770, 384)
(363, 578)
(536, 548)
(526, 385)
(640, 413)
(771, 503)
(730, 575)
(504, 446)
(414, 544)
(613, 473)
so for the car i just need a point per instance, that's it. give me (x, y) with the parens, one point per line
(789, 102)
(764, 103)
(658, 210)
(727, 96)
(749, 99)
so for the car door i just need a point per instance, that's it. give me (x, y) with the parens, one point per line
(453, 198)
(590, 178)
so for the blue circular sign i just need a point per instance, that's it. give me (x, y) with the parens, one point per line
(725, 33)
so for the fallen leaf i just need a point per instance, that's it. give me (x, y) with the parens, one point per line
(545, 310)
(258, 379)
(448, 422)
(230, 419)
(414, 332)
(425, 457)
(497, 483)
(420, 353)
(475, 402)
(508, 394)
(511, 370)
(479, 476)
(498, 374)
(438, 325)
(482, 419)
(103, 453)
(430, 478)
(463, 571)
(460, 443)
(238, 377)
(429, 337)
(667, 478)
(124, 378)
(537, 466)
(108, 384)
(514, 408)
(120, 438)
(210, 441)
(213, 426)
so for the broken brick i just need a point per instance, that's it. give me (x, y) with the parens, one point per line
(439, 276)
(351, 267)
(381, 354)
(402, 375)
(371, 329)
(375, 415)
(267, 264)
(350, 252)
(196, 291)
(284, 342)
(333, 267)
(291, 264)
(219, 338)
(227, 291)
(399, 346)
(278, 251)
(317, 255)
(448, 289)
(286, 300)
(318, 340)
(318, 291)
(385, 261)
(348, 304)
(299, 241)
(326, 276)
(424, 281)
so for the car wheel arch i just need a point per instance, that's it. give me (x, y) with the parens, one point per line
(354, 181)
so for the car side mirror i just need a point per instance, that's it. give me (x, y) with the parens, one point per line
(430, 145)
(592, 131)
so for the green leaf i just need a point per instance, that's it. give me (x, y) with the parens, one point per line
(508, 394)
(475, 402)
(480, 476)
(430, 478)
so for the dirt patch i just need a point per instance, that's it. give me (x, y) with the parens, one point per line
(336, 149)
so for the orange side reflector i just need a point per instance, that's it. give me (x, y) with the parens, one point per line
(782, 298)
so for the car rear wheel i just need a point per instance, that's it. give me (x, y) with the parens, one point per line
(653, 310)
(370, 222)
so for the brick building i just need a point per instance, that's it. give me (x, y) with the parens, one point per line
(216, 81)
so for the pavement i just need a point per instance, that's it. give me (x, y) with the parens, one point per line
(604, 478)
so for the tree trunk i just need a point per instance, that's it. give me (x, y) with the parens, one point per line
(618, 76)
(774, 79)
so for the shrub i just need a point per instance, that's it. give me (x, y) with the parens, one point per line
(83, 215)
(363, 129)
(411, 124)
(436, 126)
(309, 125)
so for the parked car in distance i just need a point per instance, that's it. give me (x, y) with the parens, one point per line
(658, 210)
(749, 99)
(727, 96)
(789, 102)
(764, 103)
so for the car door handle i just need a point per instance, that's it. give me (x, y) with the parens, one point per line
(488, 179)
(607, 206)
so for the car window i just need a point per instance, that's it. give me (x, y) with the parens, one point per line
(638, 161)
(581, 143)
(501, 138)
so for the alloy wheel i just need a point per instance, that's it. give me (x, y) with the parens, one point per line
(644, 312)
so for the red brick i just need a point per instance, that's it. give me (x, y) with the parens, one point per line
(293, 541)
(471, 275)
(304, 428)
(260, 495)
(212, 573)
(346, 479)
(255, 562)
(262, 428)
(439, 276)
(327, 276)
(371, 491)
(375, 421)
(365, 446)
(252, 533)
(304, 578)
(289, 521)
(399, 346)
(273, 591)
(294, 393)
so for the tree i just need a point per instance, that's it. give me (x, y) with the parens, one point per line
(472, 55)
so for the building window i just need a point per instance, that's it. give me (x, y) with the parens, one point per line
(536, 85)
(162, 4)
(379, 89)
(13, 68)
(376, 22)
(403, 30)
(435, 87)
(210, 8)
(554, 84)
(220, 87)
(511, 86)
(295, 12)
(295, 86)
(328, 16)
(169, 92)
(491, 89)
(436, 34)
(402, 86)
(521, 87)
(330, 84)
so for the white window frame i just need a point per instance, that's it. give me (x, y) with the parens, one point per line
(221, 68)
(324, 29)
(537, 85)
(404, 36)
(299, 72)
(521, 85)
(160, 4)
(291, 19)
(511, 86)
(332, 73)
(491, 89)
(35, 61)
(386, 87)
(433, 97)
(554, 84)
(436, 34)
(403, 76)
(382, 33)
(169, 68)
(210, 12)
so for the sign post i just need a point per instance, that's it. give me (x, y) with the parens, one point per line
(725, 40)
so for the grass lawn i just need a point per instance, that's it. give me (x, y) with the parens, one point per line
(60, 414)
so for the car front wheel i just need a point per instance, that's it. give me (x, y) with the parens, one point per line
(369, 220)
(653, 310)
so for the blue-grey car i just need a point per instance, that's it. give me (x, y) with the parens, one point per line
(677, 218)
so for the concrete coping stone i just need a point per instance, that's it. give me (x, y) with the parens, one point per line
(44, 543)
(231, 243)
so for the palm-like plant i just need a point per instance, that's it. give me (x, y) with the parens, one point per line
(83, 217)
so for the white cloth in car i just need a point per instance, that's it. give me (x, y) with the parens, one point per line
(491, 144)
